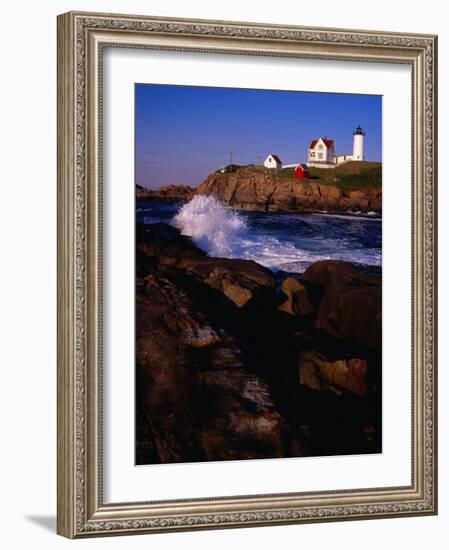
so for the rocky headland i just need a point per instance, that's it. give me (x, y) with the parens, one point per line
(260, 189)
(350, 187)
(233, 363)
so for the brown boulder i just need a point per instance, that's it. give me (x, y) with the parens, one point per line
(330, 192)
(239, 280)
(358, 200)
(297, 302)
(249, 188)
(316, 372)
(368, 200)
(350, 305)
(314, 196)
(165, 245)
(283, 197)
(374, 196)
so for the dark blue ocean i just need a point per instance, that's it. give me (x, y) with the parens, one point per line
(287, 242)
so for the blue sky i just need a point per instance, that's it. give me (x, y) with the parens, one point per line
(184, 133)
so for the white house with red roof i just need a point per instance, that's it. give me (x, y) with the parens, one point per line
(321, 151)
(273, 161)
(321, 154)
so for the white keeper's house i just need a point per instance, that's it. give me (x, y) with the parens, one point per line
(321, 151)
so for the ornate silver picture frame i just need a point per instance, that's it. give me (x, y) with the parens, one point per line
(82, 39)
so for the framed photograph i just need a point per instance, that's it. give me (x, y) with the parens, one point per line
(246, 274)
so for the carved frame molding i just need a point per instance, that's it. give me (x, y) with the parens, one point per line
(81, 39)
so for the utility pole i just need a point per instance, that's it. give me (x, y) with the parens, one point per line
(230, 155)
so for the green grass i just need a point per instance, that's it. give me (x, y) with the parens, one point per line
(351, 176)
(370, 178)
(286, 173)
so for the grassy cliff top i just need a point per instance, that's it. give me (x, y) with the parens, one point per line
(350, 176)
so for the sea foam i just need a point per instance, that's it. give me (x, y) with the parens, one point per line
(212, 227)
(290, 242)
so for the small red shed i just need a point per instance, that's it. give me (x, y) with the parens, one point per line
(301, 172)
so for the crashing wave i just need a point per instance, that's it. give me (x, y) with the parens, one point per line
(212, 227)
(223, 232)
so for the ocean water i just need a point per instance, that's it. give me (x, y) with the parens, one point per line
(279, 241)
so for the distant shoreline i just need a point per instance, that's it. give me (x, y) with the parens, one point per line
(348, 214)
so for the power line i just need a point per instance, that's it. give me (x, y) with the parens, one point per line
(179, 154)
(202, 154)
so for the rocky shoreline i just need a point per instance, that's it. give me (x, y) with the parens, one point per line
(233, 363)
(169, 193)
(264, 190)
(259, 189)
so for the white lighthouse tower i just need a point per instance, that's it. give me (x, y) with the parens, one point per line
(357, 152)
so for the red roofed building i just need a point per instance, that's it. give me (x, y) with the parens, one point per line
(273, 161)
(301, 171)
(321, 152)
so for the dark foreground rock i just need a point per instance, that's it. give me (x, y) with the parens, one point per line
(230, 367)
(316, 372)
(239, 280)
(350, 305)
(297, 300)
(196, 396)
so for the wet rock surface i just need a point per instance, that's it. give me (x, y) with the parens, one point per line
(231, 364)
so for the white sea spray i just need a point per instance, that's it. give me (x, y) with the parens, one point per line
(212, 227)
(290, 242)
